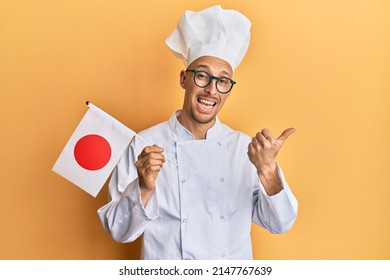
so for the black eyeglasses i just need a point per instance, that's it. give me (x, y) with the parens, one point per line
(202, 79)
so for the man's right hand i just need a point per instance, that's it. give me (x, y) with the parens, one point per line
(149, 163)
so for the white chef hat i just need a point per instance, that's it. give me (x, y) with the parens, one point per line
(214, 32)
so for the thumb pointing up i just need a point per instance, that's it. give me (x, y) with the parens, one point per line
(285, 134)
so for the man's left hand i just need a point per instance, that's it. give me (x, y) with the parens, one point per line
(262, 152)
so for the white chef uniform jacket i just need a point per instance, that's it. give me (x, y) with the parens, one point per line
(201, 209)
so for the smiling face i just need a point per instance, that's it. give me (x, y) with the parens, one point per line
(201, 105)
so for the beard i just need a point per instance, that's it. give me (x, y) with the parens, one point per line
(204, 120)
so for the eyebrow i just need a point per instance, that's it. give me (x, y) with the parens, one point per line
(207, 68)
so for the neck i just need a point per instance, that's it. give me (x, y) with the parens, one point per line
(199, 130)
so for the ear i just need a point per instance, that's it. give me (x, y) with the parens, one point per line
(183, 79)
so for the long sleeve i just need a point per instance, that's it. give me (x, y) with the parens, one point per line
(124, 217)
(276, 213)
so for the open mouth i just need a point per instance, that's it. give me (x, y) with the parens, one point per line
(206, 104)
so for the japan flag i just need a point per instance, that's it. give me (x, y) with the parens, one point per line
(93, 150)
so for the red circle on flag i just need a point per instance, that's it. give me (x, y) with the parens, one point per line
(92, 152)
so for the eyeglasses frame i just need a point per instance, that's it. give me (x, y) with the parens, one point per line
(211, 78)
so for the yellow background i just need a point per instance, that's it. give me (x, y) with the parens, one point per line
(321, 66)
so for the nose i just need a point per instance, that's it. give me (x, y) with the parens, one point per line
(211, 88)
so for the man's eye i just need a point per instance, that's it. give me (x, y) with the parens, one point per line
(223, 81)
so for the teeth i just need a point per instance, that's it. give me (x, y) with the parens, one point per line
(206, 102)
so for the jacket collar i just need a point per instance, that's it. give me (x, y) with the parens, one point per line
(184, 134)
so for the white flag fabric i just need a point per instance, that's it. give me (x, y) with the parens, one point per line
(93, 150)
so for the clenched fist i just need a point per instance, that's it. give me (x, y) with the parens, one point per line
(149, 163)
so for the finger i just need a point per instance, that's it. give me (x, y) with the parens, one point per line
(145, 167)
(260, 138)
(149, 173)
(151, 159)
(154, 149)
(150, 152)
(285, 134)
(154, 168)
(151, 149)
(251, 148)
(152, 162)
(268, 134)
(255, 144)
